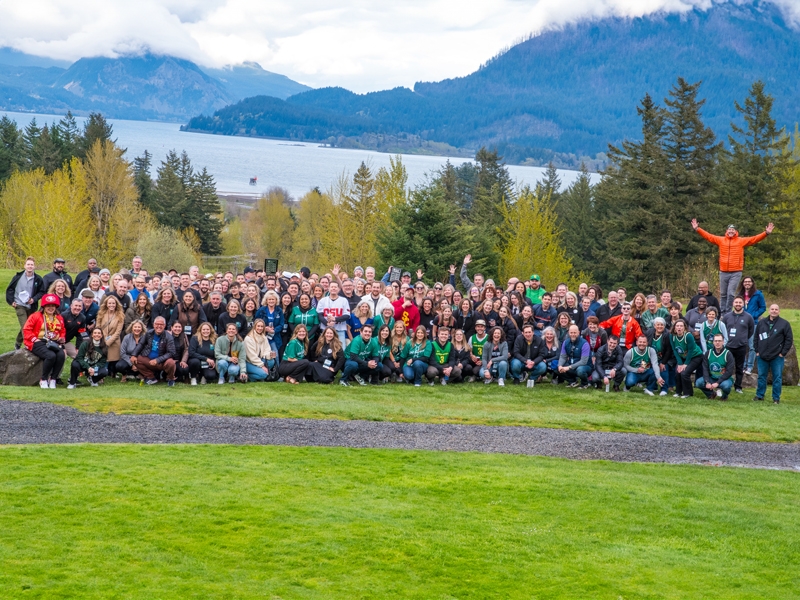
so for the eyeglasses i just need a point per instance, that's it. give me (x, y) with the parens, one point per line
(626, 308)
(437, 287)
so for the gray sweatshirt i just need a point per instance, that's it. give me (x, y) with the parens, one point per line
(653, 361)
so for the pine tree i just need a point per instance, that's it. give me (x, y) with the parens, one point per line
(170, 196)
(204, 213)
(756, 175)
(67, 137)
(551, 184)
(30, 137)
(43, 153)
(144, 182)
(577, 221)
(95, 128)
(11, 148)
(361, 209)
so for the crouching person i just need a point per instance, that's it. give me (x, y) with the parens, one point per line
(229, 352)
(526, 361)
(155, 354)
(573, 362)
(608, 364)
(641, 366)
(92, 359)
(362, 358)
(294, 365)
(719, 366)
(442, 360)
(260, 357)
(328, 358)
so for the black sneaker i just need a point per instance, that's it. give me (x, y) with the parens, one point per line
(344, 383)
(757, 399)
(776, 401)
(515, 382)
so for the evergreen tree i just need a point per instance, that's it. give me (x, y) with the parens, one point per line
(204, 213)
(43, 153)
(170, 196)
(67, 137)
(361, 209)
(422, 233)
(95, 128)
(756, 173)
(576, 212)
(550, 186)
(30, 137)
(144, 182)
(11, 148)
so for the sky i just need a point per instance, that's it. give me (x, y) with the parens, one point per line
(362, 45)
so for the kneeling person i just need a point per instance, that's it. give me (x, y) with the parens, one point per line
(526, 360)
(719, 366)
(641, 364)
(608, 364)
(294, 365)
(442, 360)
(92, 359)
(573, 362)
(362, 358)
(155, 353)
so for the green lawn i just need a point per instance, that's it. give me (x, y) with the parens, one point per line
(739, 419)
(245, 522)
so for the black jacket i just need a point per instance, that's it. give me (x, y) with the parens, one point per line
(166, 346)
(712, 301)
(461, 357)
(666, 357)
(75, 327)
(605, 360)
(773, 338)
(160, 309)
(201, 350)
(39, 290)
(604, 313)
(740, 328)
(523, 351)
(52, 277)
(213, 314)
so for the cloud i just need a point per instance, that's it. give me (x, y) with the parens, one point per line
(359, 44)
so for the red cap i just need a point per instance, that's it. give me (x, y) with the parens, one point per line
(50, 300)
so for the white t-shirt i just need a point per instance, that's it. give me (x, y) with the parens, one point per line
(338, 308)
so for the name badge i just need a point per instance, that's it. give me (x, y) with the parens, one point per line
(732, 333)
(187, 329)
(327, 363)
(763, 336)
(698, 326)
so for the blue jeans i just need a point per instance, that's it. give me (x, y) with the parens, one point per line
(581, 373)
(255, 373)
(223, 366)
(499, 369)
(725, 386)
(668, 375)
(764, 366)
(413, 374)
(649, 377)
(751, 356)
(517, 367)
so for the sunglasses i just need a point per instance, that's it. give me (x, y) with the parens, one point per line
(436, 287)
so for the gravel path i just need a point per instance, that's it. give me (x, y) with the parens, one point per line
(44, 423)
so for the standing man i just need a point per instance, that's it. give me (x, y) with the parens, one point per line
(535, 289)
(465, 280)
(612, 308)
(773, 341)
(58, 272)
(702, 292)
(731, 259)
(23, 294)
(405, 310)
(740, 326)
(82, 278)
(334, 311)
(136, 265)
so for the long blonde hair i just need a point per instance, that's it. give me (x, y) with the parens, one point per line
(102, 314)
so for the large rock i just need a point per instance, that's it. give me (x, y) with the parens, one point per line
(20, 368)
(791, 372)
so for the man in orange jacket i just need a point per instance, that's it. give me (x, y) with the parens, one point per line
(731, 259)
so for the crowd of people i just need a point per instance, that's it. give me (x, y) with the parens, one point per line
(308, 327)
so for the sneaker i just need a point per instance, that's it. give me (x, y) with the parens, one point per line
(501, 382)
(739, 391)
(776, 401)
(757, 399)
(231, 379)
(554, 381)
(515, 381)
(684, 396)
(344, 383)
(648, 392)
(43, 384)
(574, 384)
(615, 388)
(525, 375)
(17, 346)
(203, 381)
(221, 381)
(193, 381)
(487, 381)
(584, 387)
(360, 380)
(417, 385)
(676, 395)
(663, 393)
(93, 384)
(625, 389)
(432, 382)
(71, 386)
(719, 393)
(151, 381)
(52, 384)
(171, 383)
(748, 371)
(444, 382)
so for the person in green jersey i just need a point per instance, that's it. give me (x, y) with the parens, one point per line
(476, 343)
(400, 346)
(535, 289)
(688, 358)
(419, 352)
(386, 317)
(362, 358)
(719, 367)
(711, 327)
(294, 365)
(304, 313)
(642, 366)
(383, 336)
(441, 362)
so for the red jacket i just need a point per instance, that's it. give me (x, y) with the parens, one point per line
(33, 327)
(408, 314)
(614, 326)
(731, 249)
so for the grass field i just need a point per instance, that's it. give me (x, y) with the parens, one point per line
(544, 406)
(265, 522)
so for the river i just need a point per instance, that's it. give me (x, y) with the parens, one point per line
(297, 167)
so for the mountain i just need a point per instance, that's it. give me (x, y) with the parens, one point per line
(131, 87)
(250, 79)
(563, 94)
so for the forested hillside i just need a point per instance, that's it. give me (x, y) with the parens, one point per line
(560, 95)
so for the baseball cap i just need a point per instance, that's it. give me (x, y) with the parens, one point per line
(731, 226)
(480, 322)
(50, 300)
(535, 277)
(249, 270)
(59, 260)
(406, 274)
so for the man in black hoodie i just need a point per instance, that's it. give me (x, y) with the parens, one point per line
(608, 362)
(525, 356)
(773, 341)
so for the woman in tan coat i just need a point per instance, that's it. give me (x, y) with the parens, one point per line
(111, 318)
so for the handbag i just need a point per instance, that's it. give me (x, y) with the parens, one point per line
(53, 346)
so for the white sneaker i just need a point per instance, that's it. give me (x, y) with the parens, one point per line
(52, 384)
(719, 393)
(648, 392)
(43, 384)
(748, 371)
(93, 383)
(501, 383)
(71, 386)
(663, 393)
(193, 381)
(221, 381)
(203, 381)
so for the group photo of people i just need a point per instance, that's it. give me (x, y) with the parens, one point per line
(369, 328)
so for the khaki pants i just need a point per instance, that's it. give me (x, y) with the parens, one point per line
(23, 312)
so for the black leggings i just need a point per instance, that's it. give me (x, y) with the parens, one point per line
(53, 361)
(75, 370)
(196, 370)
(295, 369)
(387, 368)
(683, 380)
(318, 373)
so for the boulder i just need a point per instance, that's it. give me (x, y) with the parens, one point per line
(20, 368)
(791, 372)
